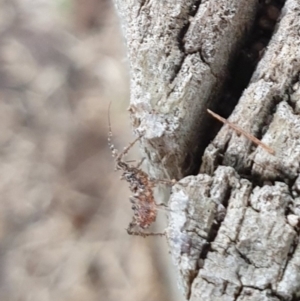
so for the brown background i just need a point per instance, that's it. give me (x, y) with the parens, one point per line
(63, 210)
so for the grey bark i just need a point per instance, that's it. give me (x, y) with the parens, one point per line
(231, 237)
(274, 87)
(252, 248)
(179, 52)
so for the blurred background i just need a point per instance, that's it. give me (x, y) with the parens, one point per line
(63, 209)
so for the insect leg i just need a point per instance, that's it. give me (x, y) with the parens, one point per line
(126, 149)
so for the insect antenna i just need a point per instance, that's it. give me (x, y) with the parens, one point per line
(114, 151)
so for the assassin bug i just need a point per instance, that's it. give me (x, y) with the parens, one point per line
(140, 184)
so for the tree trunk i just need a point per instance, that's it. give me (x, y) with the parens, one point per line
(233, 228)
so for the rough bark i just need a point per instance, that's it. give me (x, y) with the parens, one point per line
(269, 108)
(179, 53)
(234, 228)
(227, 237)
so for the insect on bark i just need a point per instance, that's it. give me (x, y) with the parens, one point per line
(140, 184)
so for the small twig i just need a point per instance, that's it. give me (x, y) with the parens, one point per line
(241, 131)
